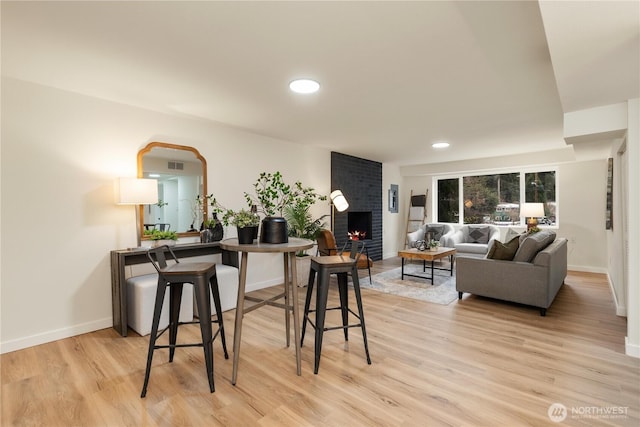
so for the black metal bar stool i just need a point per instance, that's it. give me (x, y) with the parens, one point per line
(342, 266)
(203, 277)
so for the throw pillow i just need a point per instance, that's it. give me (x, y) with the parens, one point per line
(478, 234)
(532, 244)
(436, 231)
(504, 251)
(511, 233)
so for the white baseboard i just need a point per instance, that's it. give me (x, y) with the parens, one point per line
(57, 334)
(587, 269)
(621, 310)
(632, 350)
(261, 285)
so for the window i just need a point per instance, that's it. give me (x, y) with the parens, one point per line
(540, 187)
(448, 209)
(490, 198)
(495, 198)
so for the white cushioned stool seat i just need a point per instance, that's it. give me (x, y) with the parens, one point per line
(141, 297)
(228, 284)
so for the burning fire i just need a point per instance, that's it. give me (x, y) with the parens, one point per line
(356, 235)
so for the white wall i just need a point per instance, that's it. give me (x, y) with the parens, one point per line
(598, 125)
(61, 153)
(582, 192)
(595, 122)
(392, 224)
(633, 237)
(615, 237)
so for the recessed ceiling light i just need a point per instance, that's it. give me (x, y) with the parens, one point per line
(440, 144)
(304, 86)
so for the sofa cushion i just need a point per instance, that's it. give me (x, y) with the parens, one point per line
(532, 244)
(504, 251)
(478, 234)
(415, 236)
(471, 248)
(436, 231)
(523, 236)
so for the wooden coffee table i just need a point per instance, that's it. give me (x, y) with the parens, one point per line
(425, 256)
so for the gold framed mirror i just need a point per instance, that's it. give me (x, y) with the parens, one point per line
(181, 172)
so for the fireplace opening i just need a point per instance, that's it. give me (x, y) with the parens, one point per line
(360, 224)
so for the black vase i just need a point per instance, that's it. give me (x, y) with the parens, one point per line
(274, 230)
(246, 235)
(217, 231)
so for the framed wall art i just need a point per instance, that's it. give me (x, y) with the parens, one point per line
(609, 211)
(393, 198)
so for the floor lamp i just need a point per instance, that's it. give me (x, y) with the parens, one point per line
(137, 191)
(339, 203)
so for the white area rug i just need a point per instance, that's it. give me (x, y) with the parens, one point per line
(443, 291)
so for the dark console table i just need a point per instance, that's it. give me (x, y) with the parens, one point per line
(123, 257)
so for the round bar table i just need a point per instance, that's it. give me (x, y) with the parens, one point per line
(289, 253)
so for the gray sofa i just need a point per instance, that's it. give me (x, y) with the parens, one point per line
(533, 277)
(472, 239)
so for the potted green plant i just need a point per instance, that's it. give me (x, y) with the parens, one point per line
(433, 245)
(242, 218)
(160, 238)
(271, 197)
(211, 229)
(301, 224)
(246, 222)
(272, 194)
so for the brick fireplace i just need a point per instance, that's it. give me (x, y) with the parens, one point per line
(360, 224)
(361, 183)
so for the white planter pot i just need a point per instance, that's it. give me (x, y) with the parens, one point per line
(157, 243)
(303, 265)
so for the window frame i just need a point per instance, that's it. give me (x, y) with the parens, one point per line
(522, 171)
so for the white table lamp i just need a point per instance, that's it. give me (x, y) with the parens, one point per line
(136, 191)
(533, 211)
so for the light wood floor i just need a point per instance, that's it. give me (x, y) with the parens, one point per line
(475, 362)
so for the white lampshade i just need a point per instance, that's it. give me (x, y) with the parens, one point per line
(136, 191)
(339, 201)
(532, 210)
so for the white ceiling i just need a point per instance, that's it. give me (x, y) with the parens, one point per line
(492, 78)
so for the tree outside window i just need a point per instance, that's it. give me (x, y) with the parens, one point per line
(490, 199)
(540, 187)
(448, 200)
